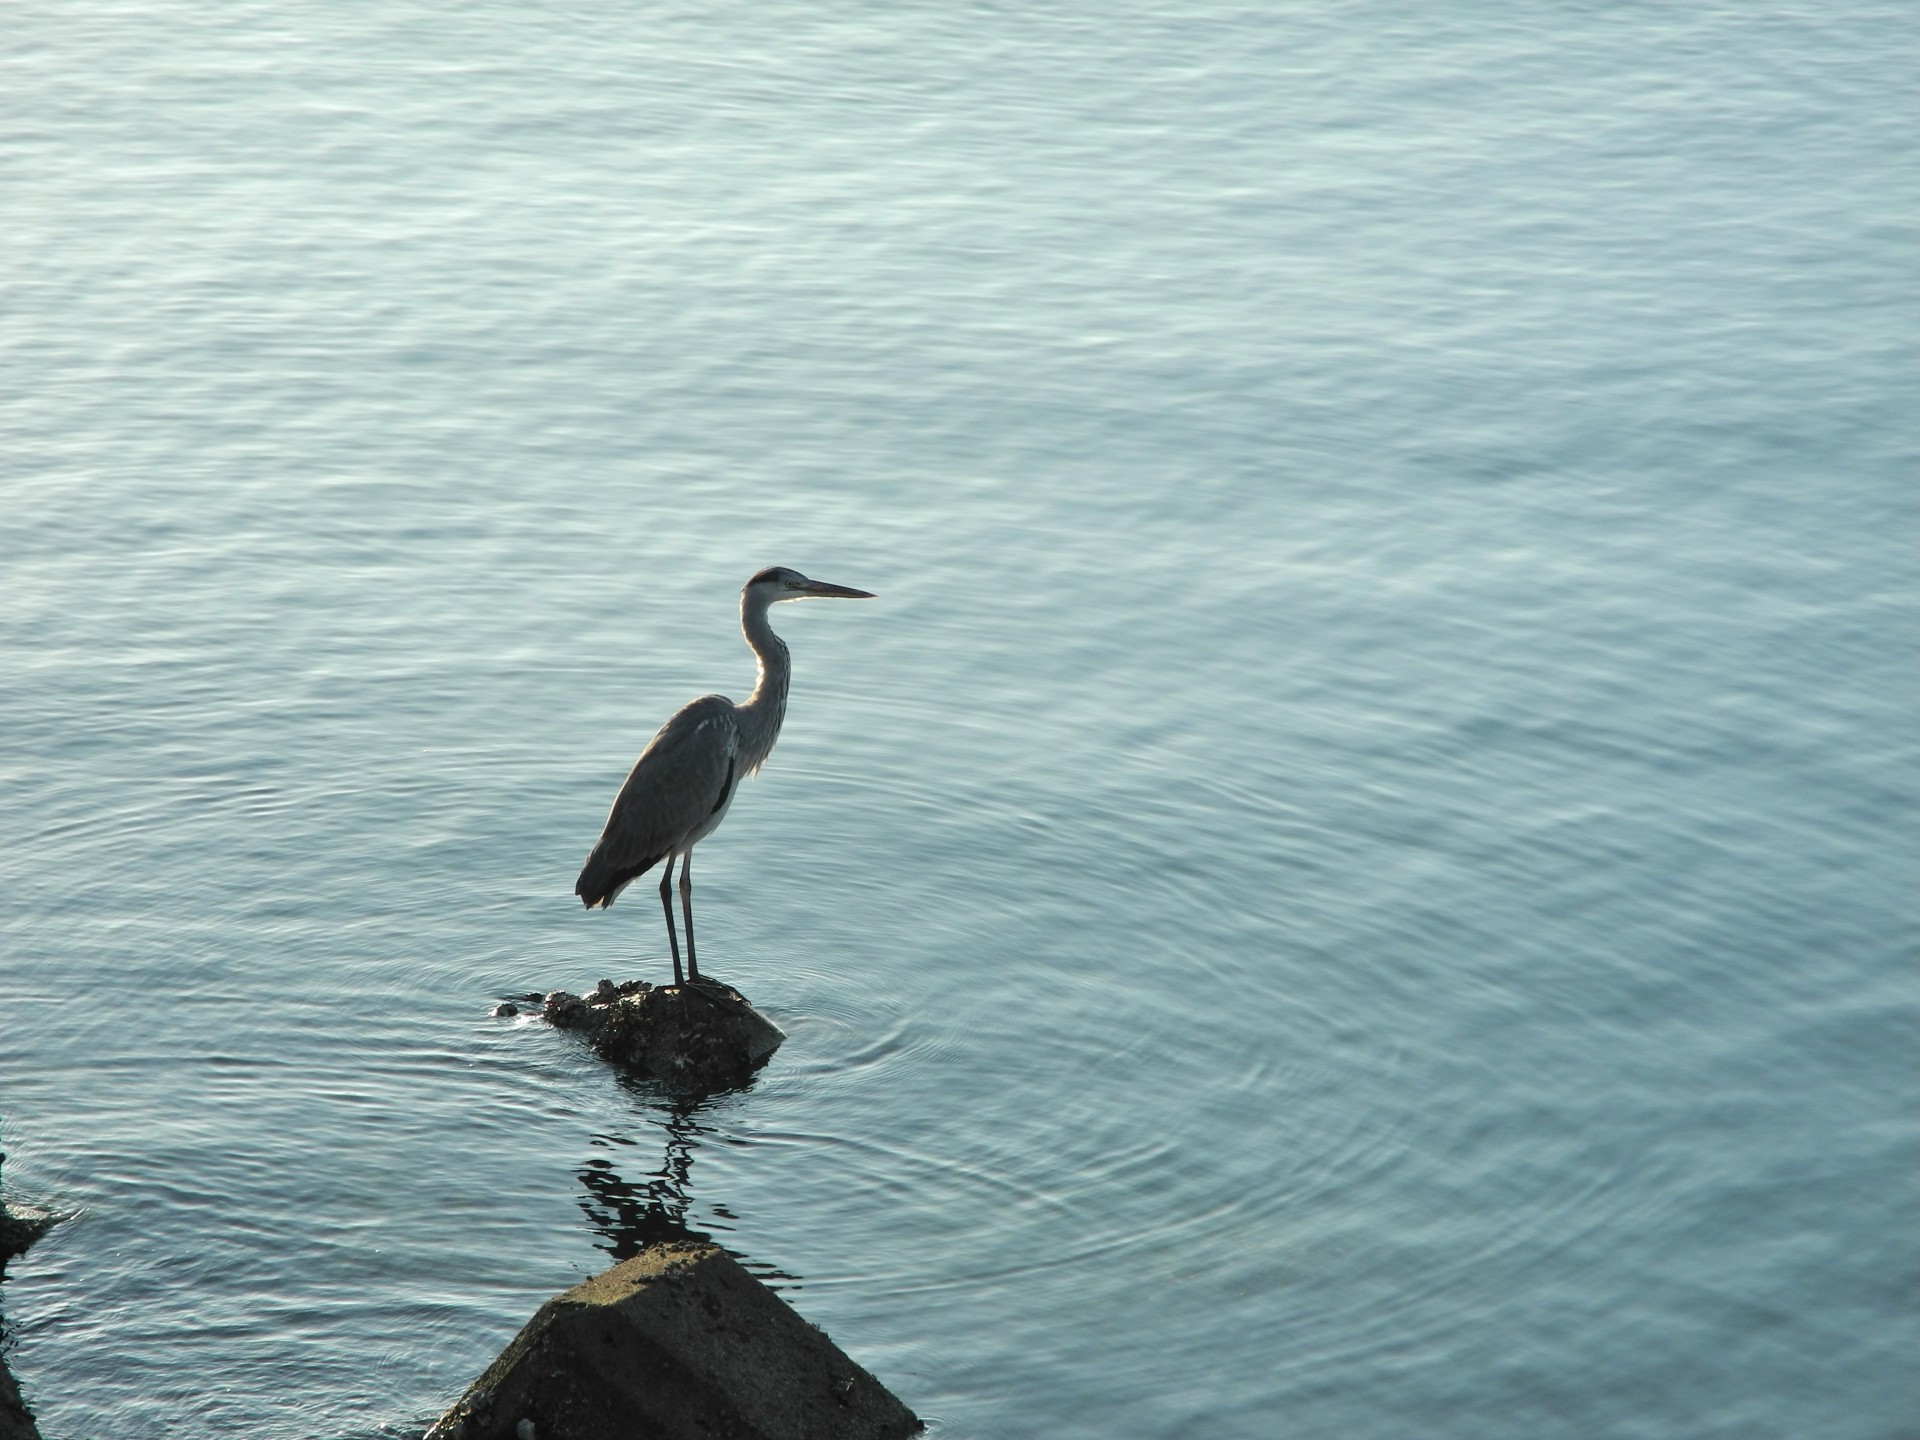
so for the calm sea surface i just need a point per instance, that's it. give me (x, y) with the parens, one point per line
(1356, 882)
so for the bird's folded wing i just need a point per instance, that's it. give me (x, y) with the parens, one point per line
(680, 779)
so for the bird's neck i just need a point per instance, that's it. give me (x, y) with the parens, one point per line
(760, 717)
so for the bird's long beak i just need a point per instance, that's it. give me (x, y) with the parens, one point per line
(822, 588)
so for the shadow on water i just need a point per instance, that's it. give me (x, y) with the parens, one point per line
(631, 1214)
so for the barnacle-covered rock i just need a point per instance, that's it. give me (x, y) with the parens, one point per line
(698, 1037)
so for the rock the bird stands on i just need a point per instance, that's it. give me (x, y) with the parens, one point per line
(694, 1038)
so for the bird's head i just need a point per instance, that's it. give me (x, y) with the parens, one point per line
(777, 582)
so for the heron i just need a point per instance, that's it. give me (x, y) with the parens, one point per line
(682, 786)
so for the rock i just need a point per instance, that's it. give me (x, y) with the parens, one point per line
(20, 1226)
(674, 1344)
(16, 1421)
(698, 1037)
(565, 1010)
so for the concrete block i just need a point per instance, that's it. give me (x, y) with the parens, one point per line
(678, 1343)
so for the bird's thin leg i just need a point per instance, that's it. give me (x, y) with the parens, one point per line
(666, 904)
(686, 911)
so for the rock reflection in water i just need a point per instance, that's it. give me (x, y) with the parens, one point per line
(631, 1215)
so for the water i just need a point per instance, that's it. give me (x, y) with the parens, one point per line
(1356, 881)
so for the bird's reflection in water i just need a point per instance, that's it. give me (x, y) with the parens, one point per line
(631, 1214)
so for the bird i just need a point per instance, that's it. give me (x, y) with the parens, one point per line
(682, 786)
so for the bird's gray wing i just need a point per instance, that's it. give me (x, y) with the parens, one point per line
(683, 776)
